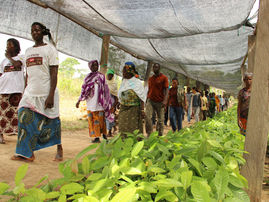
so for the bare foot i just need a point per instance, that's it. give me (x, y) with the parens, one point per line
(59, 155)
(2, 141)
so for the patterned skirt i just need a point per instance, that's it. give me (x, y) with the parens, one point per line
(9, 113)
(243, 130)
(130, 119)
(36, 132)
(97, 123)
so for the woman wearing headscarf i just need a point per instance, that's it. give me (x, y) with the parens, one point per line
(11, 88)
(243, 103)
(113, 88)
(96, 93)
(39, 124)
(132, 97)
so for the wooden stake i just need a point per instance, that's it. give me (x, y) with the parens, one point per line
(149, 68)
(258, 119)
(104, 54)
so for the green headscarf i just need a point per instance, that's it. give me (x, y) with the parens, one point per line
(110, 71)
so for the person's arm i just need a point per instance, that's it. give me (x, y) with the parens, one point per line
(165, 96)
(239, 109)
(53, 83)
(185, 102)
(15, 63)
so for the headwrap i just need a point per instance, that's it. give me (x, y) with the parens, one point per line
(110, 71)
(130, 68)
(91, 63)
(87, 91)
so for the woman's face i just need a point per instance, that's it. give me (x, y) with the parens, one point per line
(125, 74)
(36, 32)
(94, 67)
(248, 81)
(110, 76)
(10, 47)
(174, 83)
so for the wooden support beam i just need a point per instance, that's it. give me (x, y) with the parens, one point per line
(104, 54)
(149, 68)
(187, 82)
(258, 119)
(251, 52)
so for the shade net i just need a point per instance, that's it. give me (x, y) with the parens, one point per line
(205, 40)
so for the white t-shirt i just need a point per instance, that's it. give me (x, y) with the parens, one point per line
(92, 103)
(38, 60)
(12, 79)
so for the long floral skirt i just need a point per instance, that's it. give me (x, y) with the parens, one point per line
(130, 119)
(36, 131)
(97, 123)
(9, 112)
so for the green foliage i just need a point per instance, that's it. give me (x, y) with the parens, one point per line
(200, 163)
(67, 84)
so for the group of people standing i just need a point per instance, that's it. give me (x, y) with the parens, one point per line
(29, 99)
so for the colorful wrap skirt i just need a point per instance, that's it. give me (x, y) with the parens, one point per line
(130, 119)
(36, 132)
(8, 112)
(97, 123)
(243, 130)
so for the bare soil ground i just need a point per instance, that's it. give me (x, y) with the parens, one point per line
(73, 142)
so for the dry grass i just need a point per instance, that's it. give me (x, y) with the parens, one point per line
(71, 117)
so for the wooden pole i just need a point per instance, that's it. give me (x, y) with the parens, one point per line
(187, 82)
(104, 54)
(251, 52)
(149, 68)
(258, 119)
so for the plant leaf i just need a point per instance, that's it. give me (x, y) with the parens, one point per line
(86, 150)
(137, 148)
(200, 192)
(221, 181)
(186, 178)
(85, 165)
(72, 188)
(124, 195)
(3, 187)
(21, 172)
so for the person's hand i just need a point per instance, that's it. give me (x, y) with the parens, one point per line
(112, 110)
(77, 104)
(240, 124)
(49, 103)
(164, 103)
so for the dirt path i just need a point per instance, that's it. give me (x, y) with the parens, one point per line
(73, 142)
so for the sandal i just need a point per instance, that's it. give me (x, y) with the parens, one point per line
(20, 158)
(96, 140)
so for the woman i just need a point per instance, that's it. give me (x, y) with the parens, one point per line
(132, 97)
(113, 88)
(11, 88)
(96, 93)
(243, 103)
(39, 124)
(204, 104)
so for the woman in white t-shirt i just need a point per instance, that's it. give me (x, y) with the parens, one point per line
(39, 124)
(11, 88)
